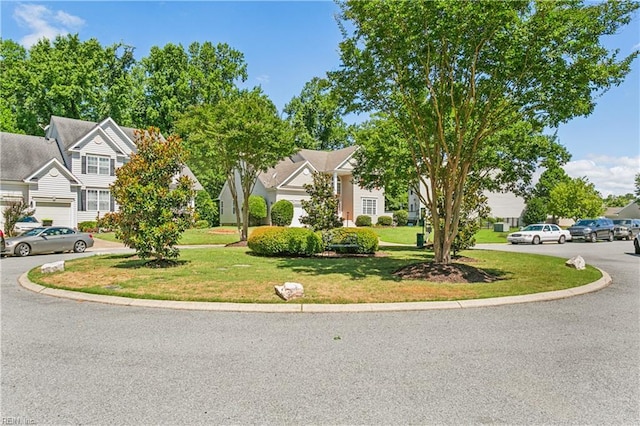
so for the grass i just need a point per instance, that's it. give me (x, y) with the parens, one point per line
(396, 235)
(235, 275)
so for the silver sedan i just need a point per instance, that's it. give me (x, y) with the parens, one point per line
(48, 239)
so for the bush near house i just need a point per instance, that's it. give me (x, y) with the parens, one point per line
(202, 224)
(281, 241)
(206, 209)
(282, 213)
(385, 221)
(363, 220)
(401, 217)
(351, 240)
(88, 226)
(257, 210)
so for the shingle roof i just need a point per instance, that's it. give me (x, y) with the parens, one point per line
(21, 155)
(71, 130)
(323, 161)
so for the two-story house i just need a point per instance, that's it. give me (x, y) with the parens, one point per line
(65, 175)
(285, 181)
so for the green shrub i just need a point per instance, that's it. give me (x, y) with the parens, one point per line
(282, 213)
(108, 222)
(88, 226)
(202, 224)
(257, 210)
(206, 209)
(365, 239)
(281, 241)
(401, 217)
(385, 221)
(363, 220)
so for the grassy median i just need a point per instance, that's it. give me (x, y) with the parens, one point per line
(235, 275)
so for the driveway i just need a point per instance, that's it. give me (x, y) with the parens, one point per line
(566, 361)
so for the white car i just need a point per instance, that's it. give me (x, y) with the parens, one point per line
(26, 223)
(539, 233)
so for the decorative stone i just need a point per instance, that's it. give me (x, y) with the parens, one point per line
(48, 268)
(289, 290)
(576, 262)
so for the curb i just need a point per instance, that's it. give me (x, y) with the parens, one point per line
(316, 308)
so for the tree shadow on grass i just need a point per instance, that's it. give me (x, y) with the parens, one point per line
(132, 261)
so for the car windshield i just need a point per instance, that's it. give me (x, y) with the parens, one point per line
(622, 221)
(28, 219)
(34, 231)
(585, 222)
(533, 228)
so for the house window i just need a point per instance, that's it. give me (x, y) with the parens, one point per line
(339, 187)
(369, 206)
(98, 200)
(98, 165)
(221, 207)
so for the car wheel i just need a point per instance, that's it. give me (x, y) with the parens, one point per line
(536, 240)
(79, 247)
(611, 236)
(23, 250)
(562, 239)
(593, 238)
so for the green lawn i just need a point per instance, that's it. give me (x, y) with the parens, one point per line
(396, 235)
(235, 275)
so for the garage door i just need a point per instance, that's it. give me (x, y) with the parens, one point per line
(297, 212)
(59, 212)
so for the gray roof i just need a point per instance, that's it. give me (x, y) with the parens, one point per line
(71, 130)
(323, 161)
(22, 155)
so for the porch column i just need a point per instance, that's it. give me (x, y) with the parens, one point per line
(335, 183)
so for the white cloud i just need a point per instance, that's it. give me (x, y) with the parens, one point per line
(44, 23)
(263, 79)
(610, 175)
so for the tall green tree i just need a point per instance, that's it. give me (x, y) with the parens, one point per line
(316, 117)
(471, 85)
(618, 200)
(13, 59)
(174, 79)
(239, 137)
(575, 199)
(154, 206)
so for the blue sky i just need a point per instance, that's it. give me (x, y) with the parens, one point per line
(287, 43)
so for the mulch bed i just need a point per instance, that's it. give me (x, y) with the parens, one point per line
(237, 244)
(451, 273)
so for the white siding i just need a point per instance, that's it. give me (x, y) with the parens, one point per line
(11, 191)
(359, 194)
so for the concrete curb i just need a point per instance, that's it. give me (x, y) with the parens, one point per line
(316, 308)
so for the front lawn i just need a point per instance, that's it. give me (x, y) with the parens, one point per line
(218, 235)
(235, 275)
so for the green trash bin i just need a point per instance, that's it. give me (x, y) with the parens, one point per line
(420, 240)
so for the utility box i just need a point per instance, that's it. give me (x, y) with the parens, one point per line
(500, 227)
(420, 240)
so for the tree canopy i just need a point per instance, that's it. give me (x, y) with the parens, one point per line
(575, 199)
(472, 85)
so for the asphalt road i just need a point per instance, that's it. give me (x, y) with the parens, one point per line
(573, 360)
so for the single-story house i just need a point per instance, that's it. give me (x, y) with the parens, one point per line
(65, 175)
(285, 182)
(630, 211)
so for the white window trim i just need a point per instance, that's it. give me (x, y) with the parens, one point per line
(98, 200)
(101, 166)
(370, 206)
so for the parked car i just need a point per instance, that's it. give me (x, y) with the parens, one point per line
(592, 230)
(26, 223)
(636, 243)
(625, 229)
(539, 233)
(48, 239)
(2, 242)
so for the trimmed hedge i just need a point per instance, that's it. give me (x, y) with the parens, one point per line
(385, 221)
(366, 240)
(202, 224)
(88, 226)
(257, 210)
(281, 241)
(363, 220)
(282, 213)
(401, 217)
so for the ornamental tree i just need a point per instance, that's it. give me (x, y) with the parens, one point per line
(239, 137)
(322, 207)
(472, 85)
(154, 199)
(575, 199)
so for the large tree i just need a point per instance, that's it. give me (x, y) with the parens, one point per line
(575, 199)
(316, 117)
(239, 137)
(471, 85)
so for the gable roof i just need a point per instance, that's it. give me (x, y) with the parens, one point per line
(71, 130)
(322, 161)
(20, 155)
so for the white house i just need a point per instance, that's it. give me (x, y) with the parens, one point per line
(65, 175)
(504, 205)
(285, 182)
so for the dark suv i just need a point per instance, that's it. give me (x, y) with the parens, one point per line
(626, 228)
(592, 230)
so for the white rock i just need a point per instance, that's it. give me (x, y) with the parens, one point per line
(576, 262)
(289, 290)
(48, 268)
